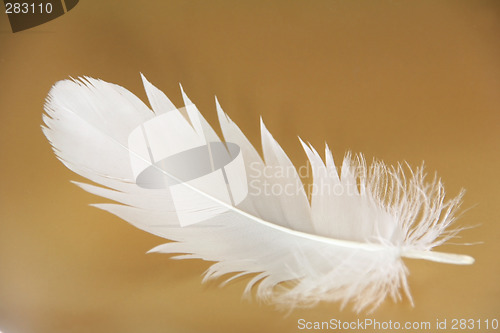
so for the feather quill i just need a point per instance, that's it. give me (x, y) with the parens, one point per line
(345, 245)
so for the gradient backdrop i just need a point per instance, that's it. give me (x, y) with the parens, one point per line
(397, 80)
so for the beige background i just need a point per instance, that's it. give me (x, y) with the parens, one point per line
(396, 80)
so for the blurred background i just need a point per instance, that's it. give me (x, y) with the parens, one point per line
(397, 80)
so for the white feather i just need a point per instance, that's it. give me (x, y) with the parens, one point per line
(346, 245)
